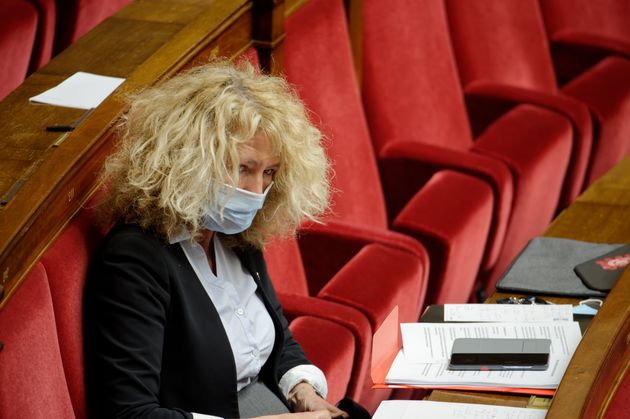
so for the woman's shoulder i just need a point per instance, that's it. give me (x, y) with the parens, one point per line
(132, 239)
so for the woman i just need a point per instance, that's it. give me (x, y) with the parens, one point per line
(181, 319)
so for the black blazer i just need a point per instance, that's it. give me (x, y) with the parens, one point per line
(154, 343)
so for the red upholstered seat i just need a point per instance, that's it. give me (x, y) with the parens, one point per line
(415, 108)
(503, 58)
(77, 17)
(503, 54)
(31, 370)
(583, 32)
(42, 50)
(352, 298)
(318, 62)
(618, 407)
(66, 263)
(18, 24)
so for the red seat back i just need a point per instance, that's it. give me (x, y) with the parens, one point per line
(285, 266)
(318, 60)
(501, 41)
(31, 370)
(66, 263)
(422, 89)
(77, 17)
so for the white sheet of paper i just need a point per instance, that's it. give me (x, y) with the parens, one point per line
(81, 90)
(432, 342)
(507, 312)
(413, 409)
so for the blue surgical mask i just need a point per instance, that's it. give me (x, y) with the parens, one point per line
(240, 208)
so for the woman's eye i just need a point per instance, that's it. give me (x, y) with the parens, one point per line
(242, 169)
(270, 172)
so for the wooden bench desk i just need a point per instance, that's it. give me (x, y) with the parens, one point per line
(600, 214)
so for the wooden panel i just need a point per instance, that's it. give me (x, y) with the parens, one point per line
(55, 181)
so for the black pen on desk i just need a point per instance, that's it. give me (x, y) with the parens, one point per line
(72, 126)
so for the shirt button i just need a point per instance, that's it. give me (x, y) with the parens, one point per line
(254, 353)
(240, 311)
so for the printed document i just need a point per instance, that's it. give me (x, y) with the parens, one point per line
(507, 312)
(423, 361)
(414, 409)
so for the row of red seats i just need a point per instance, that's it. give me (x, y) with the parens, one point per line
(410, 171)
(33, 31)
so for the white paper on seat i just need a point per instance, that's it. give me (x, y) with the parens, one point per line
(81, 90)
(507, 312)
(414, 409)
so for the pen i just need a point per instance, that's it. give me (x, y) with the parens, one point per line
(72, 126)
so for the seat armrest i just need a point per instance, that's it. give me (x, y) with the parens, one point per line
(295, 306)
(377, 279)
(327, 248)
(575, 38)
(451, 216)
(575, 111)
(402, 161)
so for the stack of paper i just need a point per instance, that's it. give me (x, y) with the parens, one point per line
(423, 361)
(413, 409)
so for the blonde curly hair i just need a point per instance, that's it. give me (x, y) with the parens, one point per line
(179, 141)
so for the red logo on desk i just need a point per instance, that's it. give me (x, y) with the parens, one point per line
(612, 264)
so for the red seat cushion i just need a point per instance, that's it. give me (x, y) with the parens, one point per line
(31, 372)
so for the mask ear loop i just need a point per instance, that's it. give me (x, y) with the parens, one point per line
(593, 301)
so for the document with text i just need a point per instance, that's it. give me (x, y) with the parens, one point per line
(424, 359)
(507, 312)
(413, 409)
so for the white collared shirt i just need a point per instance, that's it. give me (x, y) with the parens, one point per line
(247, 323)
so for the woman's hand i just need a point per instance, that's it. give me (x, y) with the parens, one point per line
(303, 398)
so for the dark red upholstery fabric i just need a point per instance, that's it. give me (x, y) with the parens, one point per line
(315, 44)
(355, 297)
(66, 263)
(605, 88)
(285, 266)
(435, 217)
(420, 29)
(423, 101)
(31, 370)
(538, 154)
(619, 407)
(318, 61)
(294, 306)
(18, 25)
(405, 162)
(503, 56)
(76, 17)
(583, 32)
(42, 50)
(330, 347)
